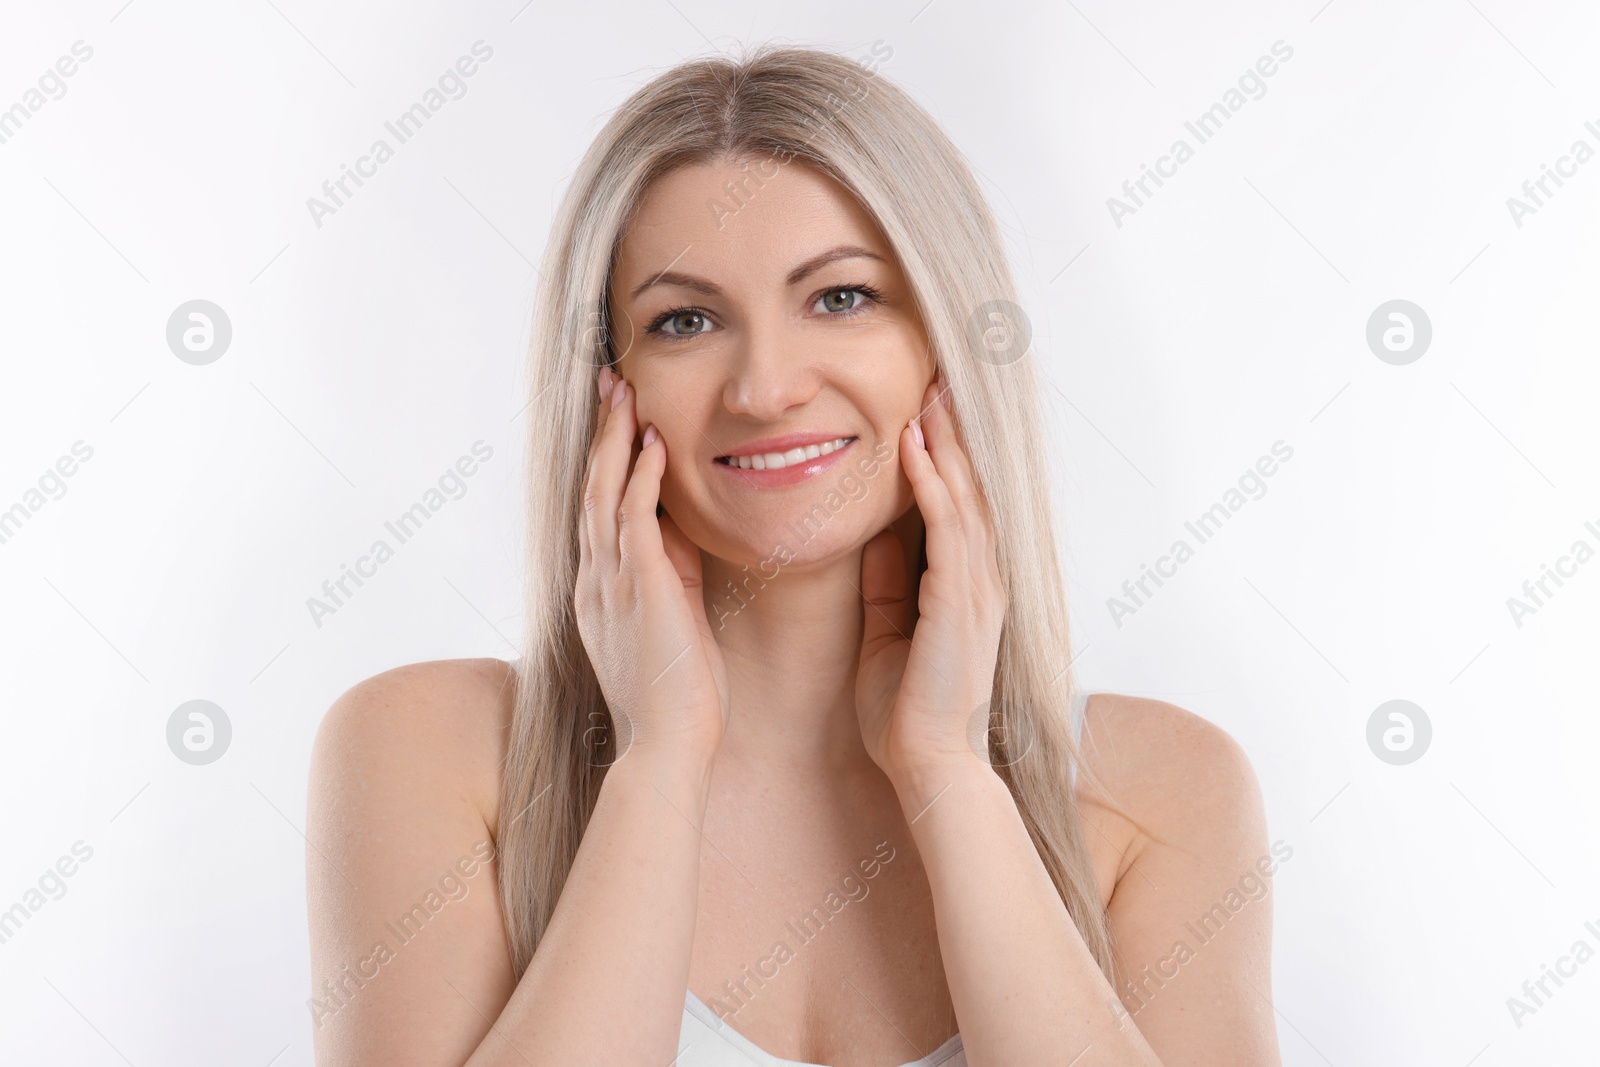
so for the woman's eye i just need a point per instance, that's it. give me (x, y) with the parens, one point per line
(684, 323)
(841, 300)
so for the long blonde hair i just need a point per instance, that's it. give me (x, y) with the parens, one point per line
(785, 103)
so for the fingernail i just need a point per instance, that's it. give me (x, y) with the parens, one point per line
(616, 393)
(916, 431)
(607, 380)
(650, 435)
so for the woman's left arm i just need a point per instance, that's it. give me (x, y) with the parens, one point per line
(1192, 919)
(1025, 987)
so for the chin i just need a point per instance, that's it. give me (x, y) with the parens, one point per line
(802, 539)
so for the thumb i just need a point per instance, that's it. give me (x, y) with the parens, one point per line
(886, 600)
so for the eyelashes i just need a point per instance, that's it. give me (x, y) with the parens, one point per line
(873, 296)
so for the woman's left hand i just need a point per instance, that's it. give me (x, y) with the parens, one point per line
(916, 697)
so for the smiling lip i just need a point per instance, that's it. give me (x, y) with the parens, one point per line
(792, 474)
(783, 443)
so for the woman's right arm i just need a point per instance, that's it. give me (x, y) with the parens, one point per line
(607, 983)
(408, 947)
(409, 964)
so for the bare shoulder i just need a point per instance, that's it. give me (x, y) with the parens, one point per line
(1170, 767)
(440, 723)
(1191, 911)
(400, 835)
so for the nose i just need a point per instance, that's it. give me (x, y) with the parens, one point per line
(771, 374)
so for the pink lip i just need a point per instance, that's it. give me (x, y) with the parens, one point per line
(794, 473)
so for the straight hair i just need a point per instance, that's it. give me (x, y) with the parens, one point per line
(774, 106)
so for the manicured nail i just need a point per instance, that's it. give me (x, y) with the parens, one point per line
(650, 435)
(916, 431)
(616, 393)
(607, 380)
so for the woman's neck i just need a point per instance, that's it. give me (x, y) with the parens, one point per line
(791, 643)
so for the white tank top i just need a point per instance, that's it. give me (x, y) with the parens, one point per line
(704, 1040)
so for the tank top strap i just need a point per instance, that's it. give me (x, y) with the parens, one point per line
(1080, 698)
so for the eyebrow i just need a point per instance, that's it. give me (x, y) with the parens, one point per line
(798, 274)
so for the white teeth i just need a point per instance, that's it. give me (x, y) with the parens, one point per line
(768, 461)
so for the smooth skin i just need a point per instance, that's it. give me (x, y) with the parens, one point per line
(770, 751)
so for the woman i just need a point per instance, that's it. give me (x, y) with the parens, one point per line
(788, 770)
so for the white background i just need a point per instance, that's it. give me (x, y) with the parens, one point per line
(1228, 313)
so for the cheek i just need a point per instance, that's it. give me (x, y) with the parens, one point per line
(651, 407)
(680, 475)
(676, 472)
(679, 411)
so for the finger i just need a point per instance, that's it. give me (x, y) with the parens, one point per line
(946, 544)
(944, 445)
(951, 460)
(885, 593)
(608, 474)
(638, 532)
(603, 388)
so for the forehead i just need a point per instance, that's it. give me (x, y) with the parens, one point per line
(750, 218)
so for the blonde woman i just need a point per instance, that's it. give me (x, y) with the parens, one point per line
(790, 770)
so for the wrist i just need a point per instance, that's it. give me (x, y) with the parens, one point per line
(636, 783)
(667, 759)
(929, 779)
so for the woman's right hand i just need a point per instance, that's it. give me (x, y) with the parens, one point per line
(640, 609)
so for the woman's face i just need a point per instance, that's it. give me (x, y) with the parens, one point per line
(781, 313)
